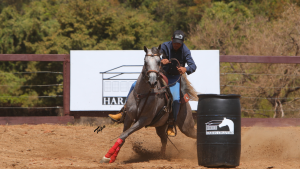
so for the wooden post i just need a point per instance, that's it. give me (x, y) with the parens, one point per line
(66, 85)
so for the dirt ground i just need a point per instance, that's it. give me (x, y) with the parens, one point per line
(78, 146)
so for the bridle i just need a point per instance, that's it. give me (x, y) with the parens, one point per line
(153, 71)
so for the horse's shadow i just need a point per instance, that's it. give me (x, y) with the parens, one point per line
(144, 155)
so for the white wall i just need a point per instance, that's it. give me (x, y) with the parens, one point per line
(86, 80)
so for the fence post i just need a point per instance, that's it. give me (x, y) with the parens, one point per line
(66, 85)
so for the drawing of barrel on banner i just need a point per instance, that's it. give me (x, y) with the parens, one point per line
(116, 83)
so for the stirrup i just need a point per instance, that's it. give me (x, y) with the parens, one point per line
(172, 123)
(170, 132)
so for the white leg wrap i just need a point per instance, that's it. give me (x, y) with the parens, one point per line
(104, 160)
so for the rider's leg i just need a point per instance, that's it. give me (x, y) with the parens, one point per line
(175, 90)
(131, 88)
(117, 117)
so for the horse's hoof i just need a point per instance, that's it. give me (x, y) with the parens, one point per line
(104, 160)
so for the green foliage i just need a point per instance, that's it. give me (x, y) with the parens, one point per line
(20, 31)
(220, 27)
(231, 13)
(11, 86)
(95, 25)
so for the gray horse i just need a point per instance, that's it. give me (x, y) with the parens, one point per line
(145, 102)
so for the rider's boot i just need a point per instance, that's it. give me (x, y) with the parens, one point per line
(170, 131)
(118, 117)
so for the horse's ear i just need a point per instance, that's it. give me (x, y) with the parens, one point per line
(145, 49)
(159, 47)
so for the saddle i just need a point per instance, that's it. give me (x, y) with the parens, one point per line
(184, 98)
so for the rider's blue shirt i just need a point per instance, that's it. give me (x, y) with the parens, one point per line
(183, 55)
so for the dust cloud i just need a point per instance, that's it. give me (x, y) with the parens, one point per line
(271, 143)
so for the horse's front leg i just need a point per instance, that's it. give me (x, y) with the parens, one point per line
(161, 132)
(112, 154)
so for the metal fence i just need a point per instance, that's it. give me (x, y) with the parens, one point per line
(47, 58)
(264, 94)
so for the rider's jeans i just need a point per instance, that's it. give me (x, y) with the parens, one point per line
(131, 88)
(175, 90)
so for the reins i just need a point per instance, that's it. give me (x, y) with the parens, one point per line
(179, 76)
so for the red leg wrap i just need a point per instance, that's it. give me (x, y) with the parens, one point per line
(112, 150)
(114, 156)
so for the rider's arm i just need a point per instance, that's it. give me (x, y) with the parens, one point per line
(191, 66)
(163, 51)
(164, 58)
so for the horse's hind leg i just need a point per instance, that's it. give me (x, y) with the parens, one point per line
(111, 155)
(161, 132)
(185, 121)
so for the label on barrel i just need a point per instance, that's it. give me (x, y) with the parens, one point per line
(220, 127)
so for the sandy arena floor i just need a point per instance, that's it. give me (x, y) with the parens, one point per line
(58, 146)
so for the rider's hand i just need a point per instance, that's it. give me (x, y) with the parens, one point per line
(165, 61)
(181, 70)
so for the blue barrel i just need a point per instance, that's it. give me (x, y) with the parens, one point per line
(219, 130)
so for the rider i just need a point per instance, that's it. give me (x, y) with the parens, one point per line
(178, 50)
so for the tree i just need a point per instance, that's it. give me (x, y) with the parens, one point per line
(256, 36)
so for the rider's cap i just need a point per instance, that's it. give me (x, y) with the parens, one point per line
(178, 37)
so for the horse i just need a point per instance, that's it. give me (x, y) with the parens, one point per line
(146, 101)
(229, 123)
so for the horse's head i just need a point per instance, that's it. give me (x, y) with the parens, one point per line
(227, 122)
(224, 122)
(152, 65)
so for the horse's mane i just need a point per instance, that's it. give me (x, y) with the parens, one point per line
(155, 50)
(186, 87)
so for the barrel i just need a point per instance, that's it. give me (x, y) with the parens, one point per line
(219, 130)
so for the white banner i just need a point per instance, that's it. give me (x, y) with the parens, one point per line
(101, 79)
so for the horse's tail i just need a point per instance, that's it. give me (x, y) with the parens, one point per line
(186, 87)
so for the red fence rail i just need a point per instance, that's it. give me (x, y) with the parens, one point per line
(65, 58)
(260, 59)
